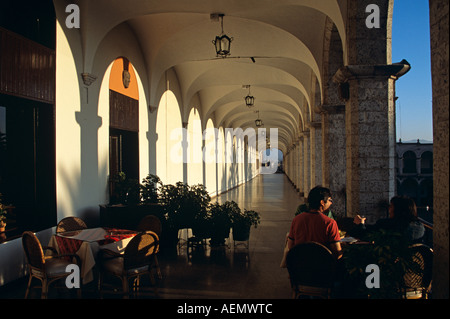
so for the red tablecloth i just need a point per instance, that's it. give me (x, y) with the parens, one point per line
(68, 245)
(114, 234)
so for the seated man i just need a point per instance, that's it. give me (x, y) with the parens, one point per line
(314, 225)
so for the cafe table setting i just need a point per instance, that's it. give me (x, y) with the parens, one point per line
(86, 243)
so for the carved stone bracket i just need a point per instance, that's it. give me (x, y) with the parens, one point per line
(88, 78)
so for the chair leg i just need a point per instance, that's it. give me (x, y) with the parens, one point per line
(136, 285)
(100, 284)
(28, 287)
(125, 287)
(152, 280)
(44, 293)
(158, 269)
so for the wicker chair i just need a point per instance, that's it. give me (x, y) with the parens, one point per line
(70, 224)
(417, 279)
(152, 223)
(45, 268)
(136, 261)
(311, 268)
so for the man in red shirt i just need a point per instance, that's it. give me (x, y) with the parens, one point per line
(314, 225)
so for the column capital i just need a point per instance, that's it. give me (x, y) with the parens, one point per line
(350, 72)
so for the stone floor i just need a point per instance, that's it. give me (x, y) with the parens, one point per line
(231, 272)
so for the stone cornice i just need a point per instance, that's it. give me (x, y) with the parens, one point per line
(349, 72)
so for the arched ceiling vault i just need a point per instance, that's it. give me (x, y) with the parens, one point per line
(277, 48)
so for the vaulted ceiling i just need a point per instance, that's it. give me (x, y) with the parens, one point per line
(277, 49)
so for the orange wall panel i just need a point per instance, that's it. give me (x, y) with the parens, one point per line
(116, 82)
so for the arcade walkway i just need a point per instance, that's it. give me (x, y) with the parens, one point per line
(229, 273)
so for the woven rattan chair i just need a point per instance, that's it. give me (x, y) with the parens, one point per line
(311, 268)
(70, 224)
(136, 261)
(47, 269)
(417, 279)
(152, 223)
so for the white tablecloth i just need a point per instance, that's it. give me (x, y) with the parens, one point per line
(89, 249)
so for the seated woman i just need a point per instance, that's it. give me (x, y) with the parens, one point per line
(402, 218)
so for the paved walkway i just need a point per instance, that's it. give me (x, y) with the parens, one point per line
(232, 273)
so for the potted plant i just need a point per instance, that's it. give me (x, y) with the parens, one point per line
(242, 222)
(389, 251)
(185, 206)
(131, 201)
(220, 216)
(149, 189)
(124, 190)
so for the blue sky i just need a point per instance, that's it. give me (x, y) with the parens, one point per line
(411, 41)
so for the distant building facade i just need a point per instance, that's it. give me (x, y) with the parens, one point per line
(415, 171)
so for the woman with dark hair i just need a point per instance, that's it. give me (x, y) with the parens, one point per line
(402, 218)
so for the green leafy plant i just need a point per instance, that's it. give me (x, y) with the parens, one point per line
(184, 205)
(247, 217)
(389, 251)
(149, 189)
(220, 216)
(124, 190)
(242, 222)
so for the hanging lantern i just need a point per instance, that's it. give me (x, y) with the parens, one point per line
(222, 42)
(249, 99)
(258, 121)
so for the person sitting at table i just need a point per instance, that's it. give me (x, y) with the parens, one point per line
(402, 218)
(314, 225)
(304, 208)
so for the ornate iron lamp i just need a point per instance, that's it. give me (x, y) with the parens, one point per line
(249, 99)
(258, 121)
(222, 42)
